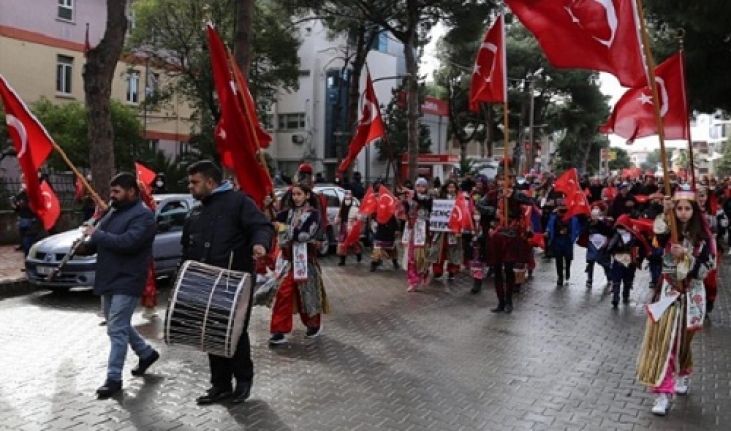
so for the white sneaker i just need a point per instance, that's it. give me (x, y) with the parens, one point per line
(662, 405)
(682, 385)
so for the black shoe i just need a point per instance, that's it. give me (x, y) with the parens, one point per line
(395, 264)
(559, 283)
(342, 262)
(517, 288)
(476, 286)
(615, 303)
(213, 395)
(277, 338)
(450, 277)
(109, 388)
(144, 364)
(374, 265)
(313, 332)
(625, 300)
(242, 392)
(588, 284)
(358, 257)
(508, 308)
(437, 276)
(499, 309)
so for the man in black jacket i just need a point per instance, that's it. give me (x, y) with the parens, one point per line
(228, 231)
(123, 244)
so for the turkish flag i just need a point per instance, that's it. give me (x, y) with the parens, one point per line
(387, 204)
(634, 115)
(369, 204)
(32, 143)
(234, 135)
(576, 201)
(354, 233)
(489, 80)
(587, 34)
(370, 126)
(51, 207)
(461, 217)
(144, 174)
(243, 92)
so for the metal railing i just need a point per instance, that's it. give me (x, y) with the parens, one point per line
(63, 184)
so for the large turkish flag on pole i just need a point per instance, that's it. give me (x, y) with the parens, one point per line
(576, 202)
(370, 126)
(601, 35)
(33, 145)
(634, 115)
(489, 80)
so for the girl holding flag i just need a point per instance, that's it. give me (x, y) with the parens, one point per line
(417, 208)
(347, 219)
(563, 230)
(447, 246)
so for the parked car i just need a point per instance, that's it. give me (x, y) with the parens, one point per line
(334, 196)
(45, 255)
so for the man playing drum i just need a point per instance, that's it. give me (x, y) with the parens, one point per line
(228, 231)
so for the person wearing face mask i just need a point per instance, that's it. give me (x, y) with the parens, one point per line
(597, 232)
(446, 247)
(625, 249)
(665, 362)
(301, 288)
(416, 237)
(346, 218)
(562, 233)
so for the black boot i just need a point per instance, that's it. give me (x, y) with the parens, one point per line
(374, 265)
(500, 307)
(342, 261)
(358, 257)
(509, 303)
(709, 305)
(615, 295)
(476, 285)
(395, 264)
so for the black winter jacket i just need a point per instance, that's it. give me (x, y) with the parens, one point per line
(226, 222)
(123, 243)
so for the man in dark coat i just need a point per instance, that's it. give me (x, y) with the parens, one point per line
(123, 244)
(228, 231)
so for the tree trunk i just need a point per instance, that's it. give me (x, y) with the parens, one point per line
(244, 35)
(412, 98)
(101, 62)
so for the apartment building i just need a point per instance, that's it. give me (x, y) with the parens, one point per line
(42, 55)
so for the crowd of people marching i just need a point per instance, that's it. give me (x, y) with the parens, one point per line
(623, 223)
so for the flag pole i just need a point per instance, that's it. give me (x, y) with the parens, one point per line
(94, 195)
(506, 176)
(681, 35)
(650, 65)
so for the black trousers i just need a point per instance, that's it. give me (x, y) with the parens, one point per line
(504, 282)
(240, 366)
(563, 264)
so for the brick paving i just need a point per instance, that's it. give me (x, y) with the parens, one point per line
(387, 360)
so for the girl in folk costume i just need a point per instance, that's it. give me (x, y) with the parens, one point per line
(446, 246)
(301, 288)
(508, 243)
(346, 218)
(384, 238)
(417, 208)
(597, 233)
(624, 248)
(709, 208)
(665, 361)
(562, 234)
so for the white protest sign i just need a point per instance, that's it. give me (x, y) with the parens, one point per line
(441, 210)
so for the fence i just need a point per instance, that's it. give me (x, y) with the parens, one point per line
(63, 184)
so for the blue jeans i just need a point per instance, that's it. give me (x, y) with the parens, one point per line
(118, 310)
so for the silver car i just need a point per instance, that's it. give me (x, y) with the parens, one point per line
(45, 255)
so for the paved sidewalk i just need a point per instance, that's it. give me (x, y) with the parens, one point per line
(387, 360)
(11, 265)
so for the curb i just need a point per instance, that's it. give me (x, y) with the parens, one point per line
(14, 286)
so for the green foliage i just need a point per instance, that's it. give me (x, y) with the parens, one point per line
(723, 166)
(67, 124)
(707, 46)
(396, 120)
(622, 161)
(171, 33)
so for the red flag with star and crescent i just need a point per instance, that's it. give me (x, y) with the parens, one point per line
(145, 174)
(489, 80)
(576, 202)
(369, 204)
(461, 217)
(597, 35)
(634, 116)
(370, 126)
(33, 145)
(387, 204)
(234, 134)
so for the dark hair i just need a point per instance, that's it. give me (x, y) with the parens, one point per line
(696, 230)
(313, 199)
(443, 192)
(126, 181)
(207, 169)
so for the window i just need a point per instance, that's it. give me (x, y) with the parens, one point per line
(64, 69)
(133, 87)
(66, 10)
(304, 73)
(292, 121)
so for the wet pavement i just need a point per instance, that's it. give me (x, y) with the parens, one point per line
(387, 360)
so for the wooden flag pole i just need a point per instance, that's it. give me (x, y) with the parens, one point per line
(506, 173)
(681, 35)
(94, 195)
(650, 65)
